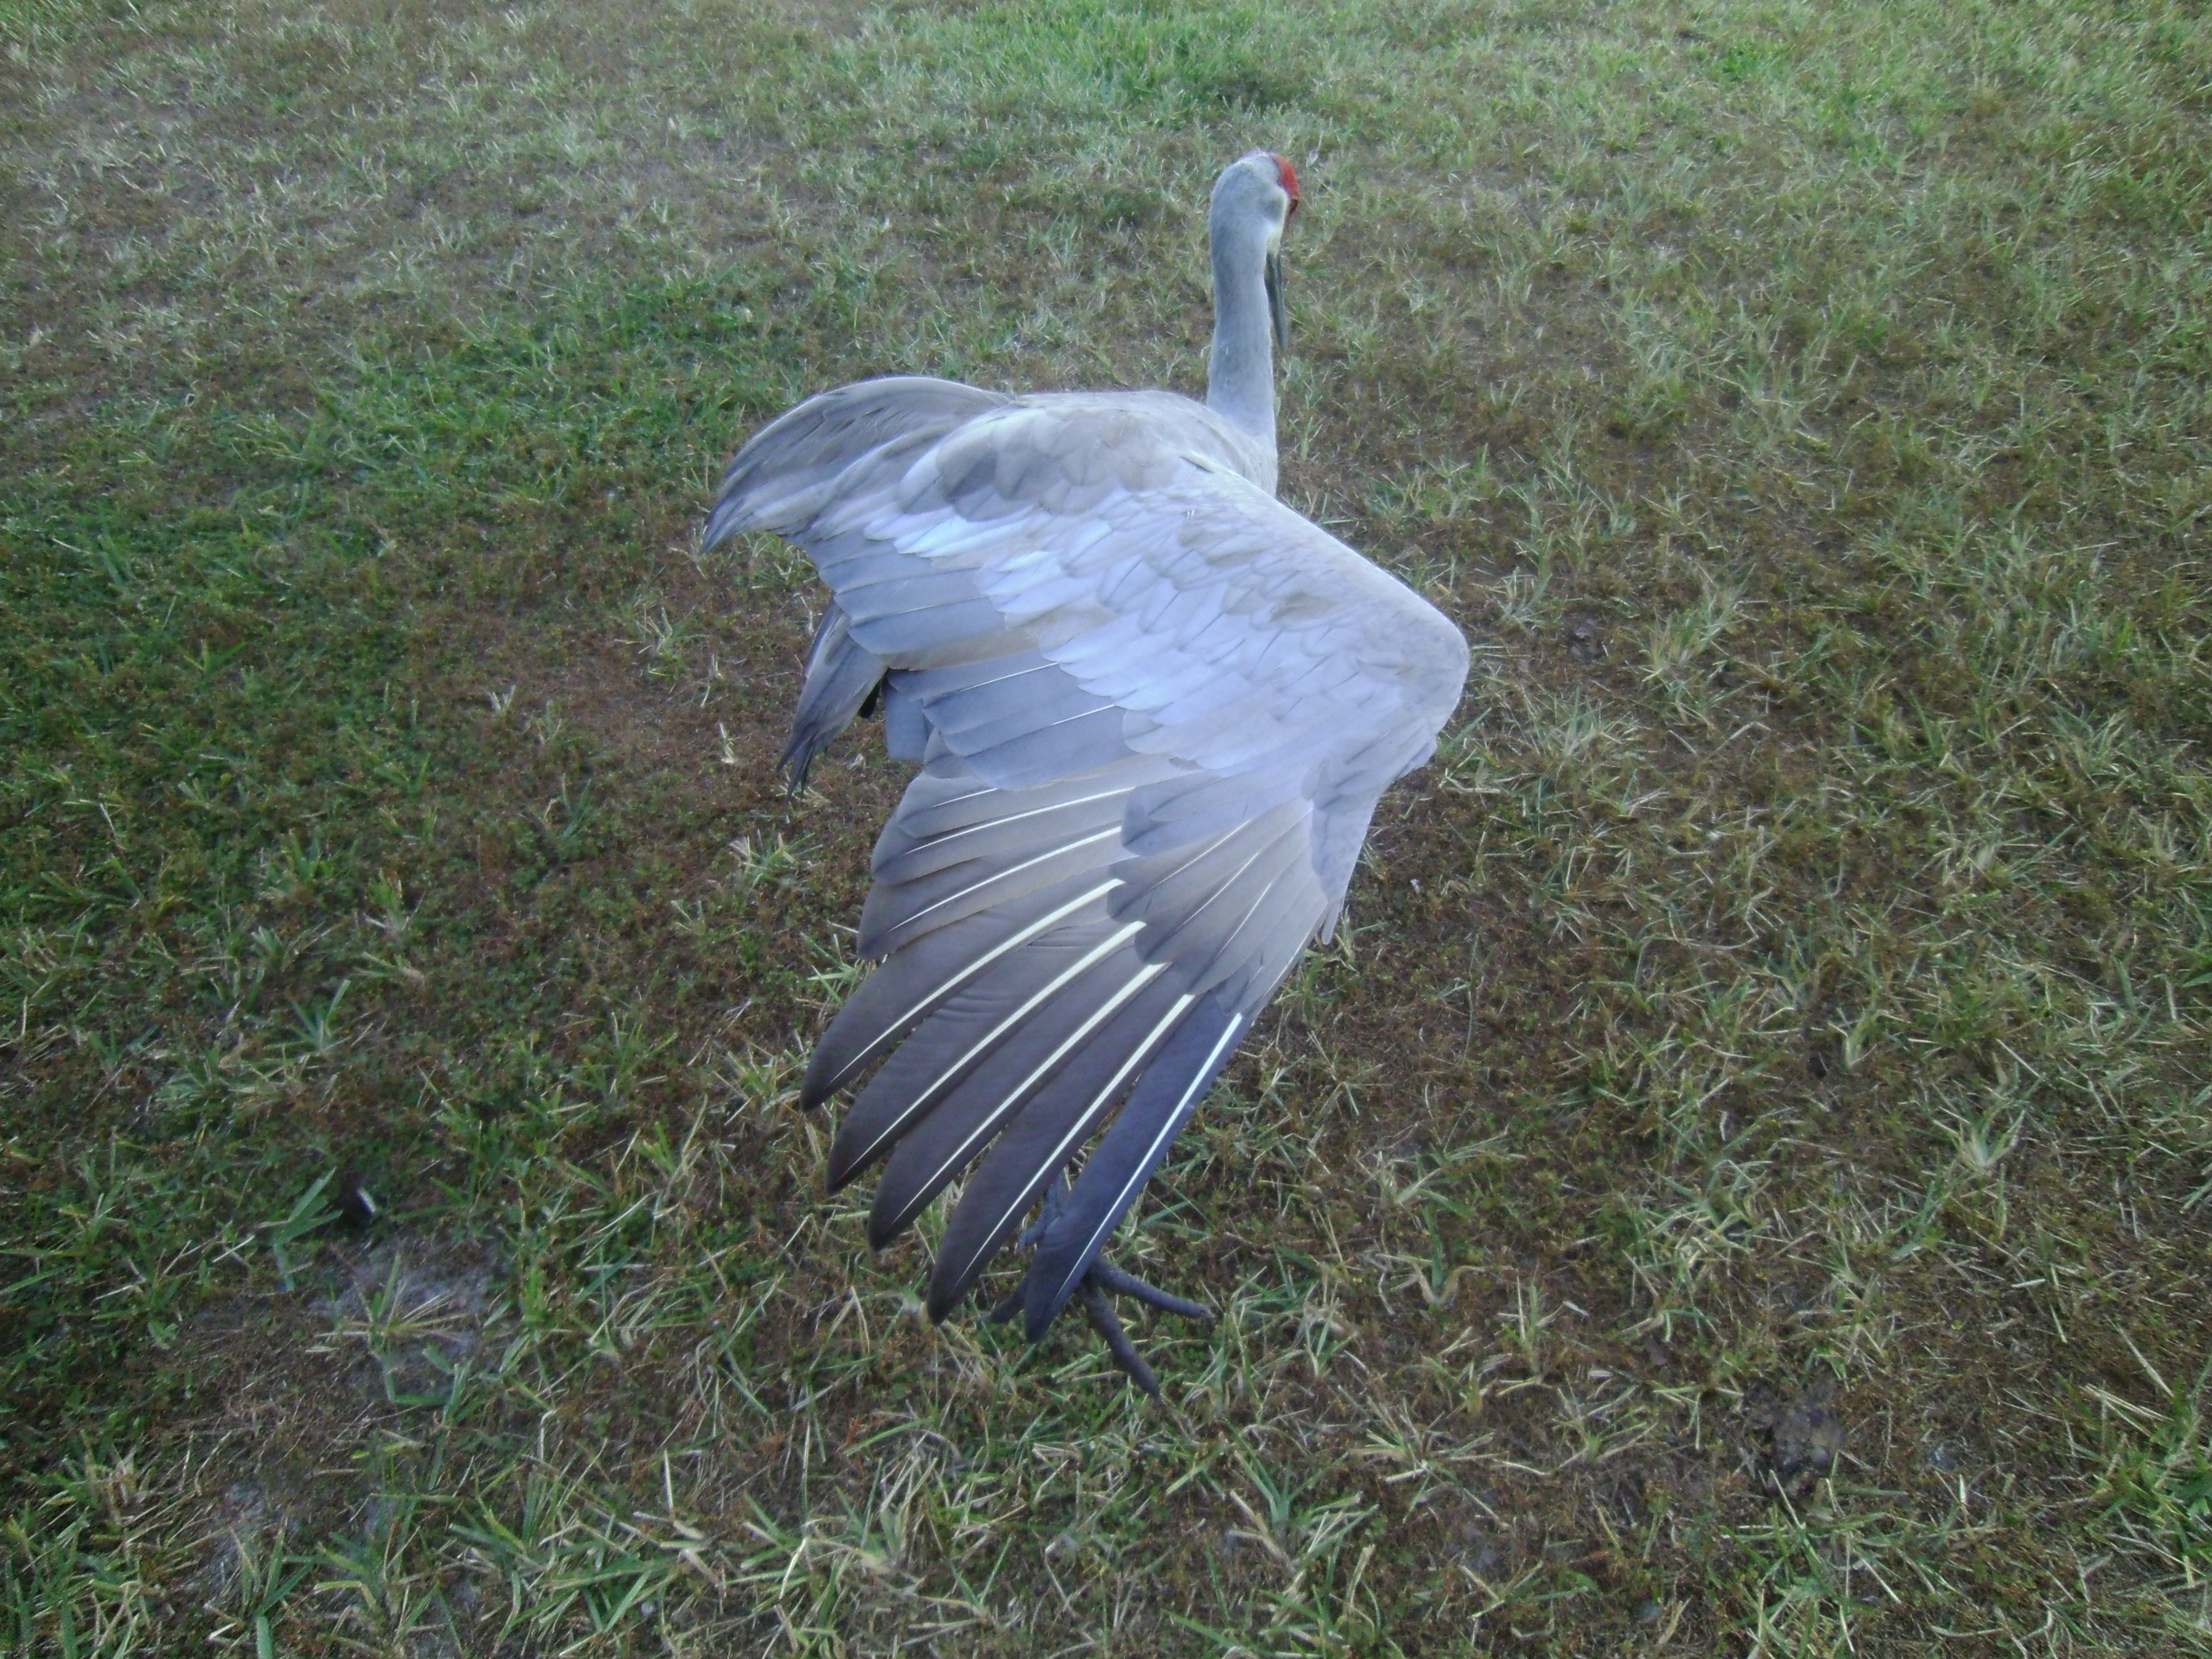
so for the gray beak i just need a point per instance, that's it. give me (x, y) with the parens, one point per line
(1275, 303)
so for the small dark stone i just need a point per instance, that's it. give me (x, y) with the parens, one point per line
(358, 1207)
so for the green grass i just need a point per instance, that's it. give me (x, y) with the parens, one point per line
(1791, 984)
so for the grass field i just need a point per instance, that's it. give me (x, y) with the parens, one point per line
(1742, 1183)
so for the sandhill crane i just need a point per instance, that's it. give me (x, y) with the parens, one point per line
(1154, 710)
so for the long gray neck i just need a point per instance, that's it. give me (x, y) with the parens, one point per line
(1240, 384)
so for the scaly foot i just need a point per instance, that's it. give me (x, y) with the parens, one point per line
(1105, 1279)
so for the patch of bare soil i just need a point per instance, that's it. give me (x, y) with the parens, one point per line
(1798, 1435)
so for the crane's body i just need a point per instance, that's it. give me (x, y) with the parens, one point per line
(1154, 710)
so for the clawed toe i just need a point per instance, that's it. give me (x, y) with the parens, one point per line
(1102, 1279)
(1105, 1277)
(1109, 1277)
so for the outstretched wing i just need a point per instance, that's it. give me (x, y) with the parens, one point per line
(1155, 710)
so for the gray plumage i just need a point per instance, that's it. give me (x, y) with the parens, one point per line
(1154, 710)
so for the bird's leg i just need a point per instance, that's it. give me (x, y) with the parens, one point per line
(1103, 1278)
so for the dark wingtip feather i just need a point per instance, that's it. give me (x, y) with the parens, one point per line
(821, 1081)
(884, 1226)
(944, 1303)
(1050, 1079)
(798, 757)
(1028, 1158)
(1124, 1158)
(842, 680)
(723, 523)
(844, 1165)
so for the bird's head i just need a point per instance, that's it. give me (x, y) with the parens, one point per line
(1254, 200)
(1257, 192)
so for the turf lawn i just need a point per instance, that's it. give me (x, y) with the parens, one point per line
(1742, 1181)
